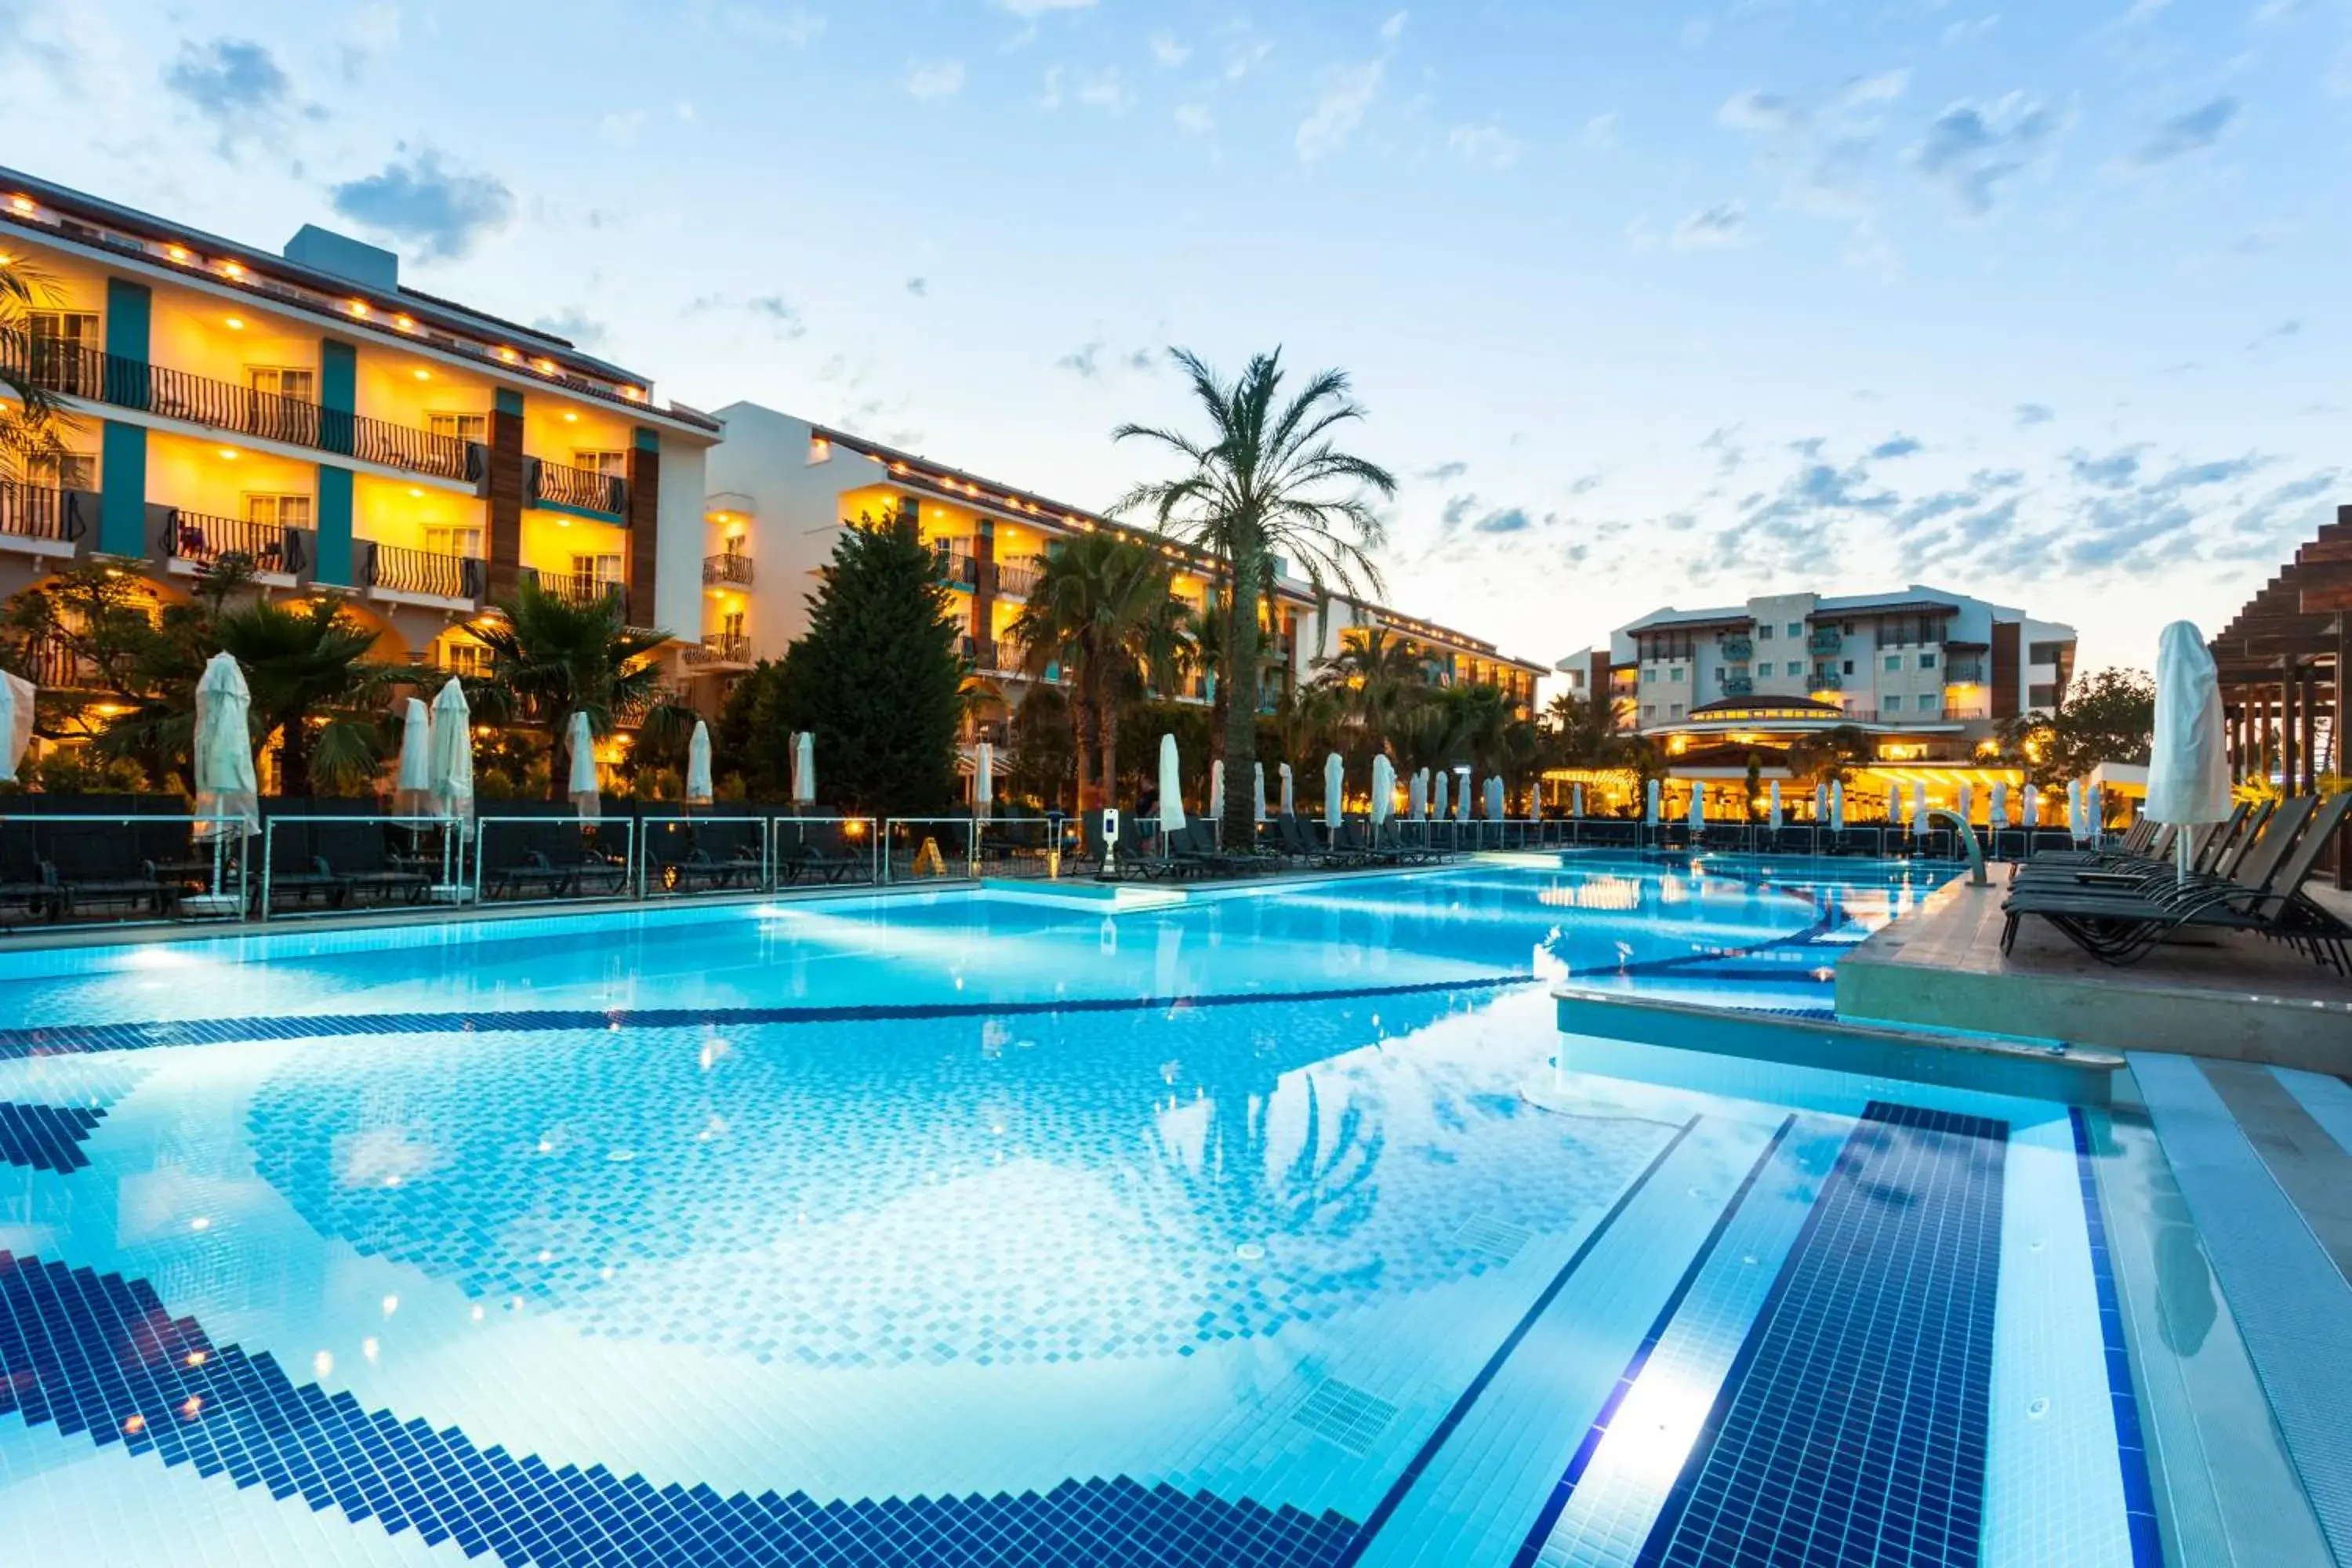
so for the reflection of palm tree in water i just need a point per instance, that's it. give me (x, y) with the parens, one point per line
(1242, 1193)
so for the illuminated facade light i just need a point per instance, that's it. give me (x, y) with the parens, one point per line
(21, 203)
(176, 252)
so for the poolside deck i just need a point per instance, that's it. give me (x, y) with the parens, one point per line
(2227, 996)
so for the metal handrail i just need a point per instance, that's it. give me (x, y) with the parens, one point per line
(628, 862)
(450, 889)
(573, 588)
(587, 489)
(402, 569)
(726, 568)
(75, 370)
(720, 648)
(41, 511)
(766, 825)
(202, 537)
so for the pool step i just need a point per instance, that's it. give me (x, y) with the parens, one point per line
(2071, 1075)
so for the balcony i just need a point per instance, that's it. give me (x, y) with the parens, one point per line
(1017, 582)
(1737, 685)
(575, 490)
(395, 571)
(577, 588)
(1964, 672)
(1827, 639)
(51, 664)
(720, 651)
(72, 370)
(958, 568)
(1737, 650)
(45, 520)
(736, 569)
(1828, 680)
(273, 550)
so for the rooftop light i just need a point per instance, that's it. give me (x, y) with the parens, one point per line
(423, 374)
(21, 204)
(235, 323)
(176, 252)
(359, 307)
(233, 268)
(405, 323)
(229, 454)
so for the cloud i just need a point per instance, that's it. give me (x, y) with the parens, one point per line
(1393, 28)
(373, 31)
(1718, 227)
(621, 128)
(1761, 111)
(1897, 447)
(573, 325)
(1347, 94)
(233, 82)
(1971, 150)
(2035, 413)
(2114, 471)
(1601, 132)
(1453, 468)
(782, 316)
(793, 24)
(920, 288)
(1094, 357)
(1468, 511)
(1486, 146)
(1728, 453)
(421, 202)
(1029, 10)
(1085, 362)
(2191, 131)
(1168, 51)
(1195, 119)
(1105, 91)
(935, 79)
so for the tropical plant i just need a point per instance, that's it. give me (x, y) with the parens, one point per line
(1103, 612)
(1266, 484)
(2105, 717)
(33, 423)
(1378, 675)
(1583, 733)
(877, 679)
(552, 657)
(1041, 760)
(1830, 756)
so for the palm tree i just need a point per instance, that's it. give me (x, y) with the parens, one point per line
(552, 657)
(1267, 483)
(1104, 610)
(1380, 674)
(36, 423)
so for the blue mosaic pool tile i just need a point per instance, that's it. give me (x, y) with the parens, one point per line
(2131, 1444)
(47, 1137)
(1851, 1427)
(97, 1355)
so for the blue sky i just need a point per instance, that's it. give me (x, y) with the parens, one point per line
(1650, 303)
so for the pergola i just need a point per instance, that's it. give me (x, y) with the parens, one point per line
(2281, 660)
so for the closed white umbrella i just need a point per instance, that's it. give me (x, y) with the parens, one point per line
(412, 795)
(1699, 804)
(1171, 788)
(16, 695)
(1289, 799)
(580, 778)
(1967, 803)
(1837, 806)
(2032, 805)
(1461, 798)
(226, 786)
(2188, 764)
(804, 768)
(1420, 794)
(451, 776)
(1333, 805)
(1495, 808)
(983, 779)
(1383, 789)
(1576, 796)
(1214, 808)
(2074, 820)
(1650, 806)
(698, 790)
(1918, 808)
(1820, 804)
(1776, 806)
(1258, 784)
(2001, 803)
(1438, 806)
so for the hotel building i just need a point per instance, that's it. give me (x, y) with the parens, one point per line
(339, 429)
(781, 488)
(1925, 674)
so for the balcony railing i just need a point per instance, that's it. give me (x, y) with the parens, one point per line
(1738, 651)
(575, 588)
(75, 371)
(726, 569)
(37, 511)
(1828, 680)
(1824, 642)
(721, 649)
(558, 484)
(1738, 685)
(400, 570)
(1018, 581)
(1964, 672)
(271, 547)
(957, 566)
(51, 664)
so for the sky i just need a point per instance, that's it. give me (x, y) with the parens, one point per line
(1648, 303)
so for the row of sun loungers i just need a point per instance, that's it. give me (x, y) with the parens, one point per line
(1286, 843)
(2120, 904)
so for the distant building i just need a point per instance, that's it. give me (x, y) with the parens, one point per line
(1927, 675)
(781, 488)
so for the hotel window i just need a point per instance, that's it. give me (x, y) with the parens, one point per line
(614, 464)
(1893, 662)
(1677, 712)
(1795, 628)
(602, 570)
(1649, 711)
(63, 470)
(1763, 634)
(65, 348)
(731, 624)
(1926, 661)
(283, 380)
(1762, 670)
(459, 426)
(1677, 675)
(278, 510)
(466, 541)
(1895, 705)
(1849, 667)
(461, 655)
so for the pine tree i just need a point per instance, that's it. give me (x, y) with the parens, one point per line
(877, 679)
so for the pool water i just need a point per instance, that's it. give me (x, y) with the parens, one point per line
(973, 1226)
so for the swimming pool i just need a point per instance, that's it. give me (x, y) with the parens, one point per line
(976, 1227)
